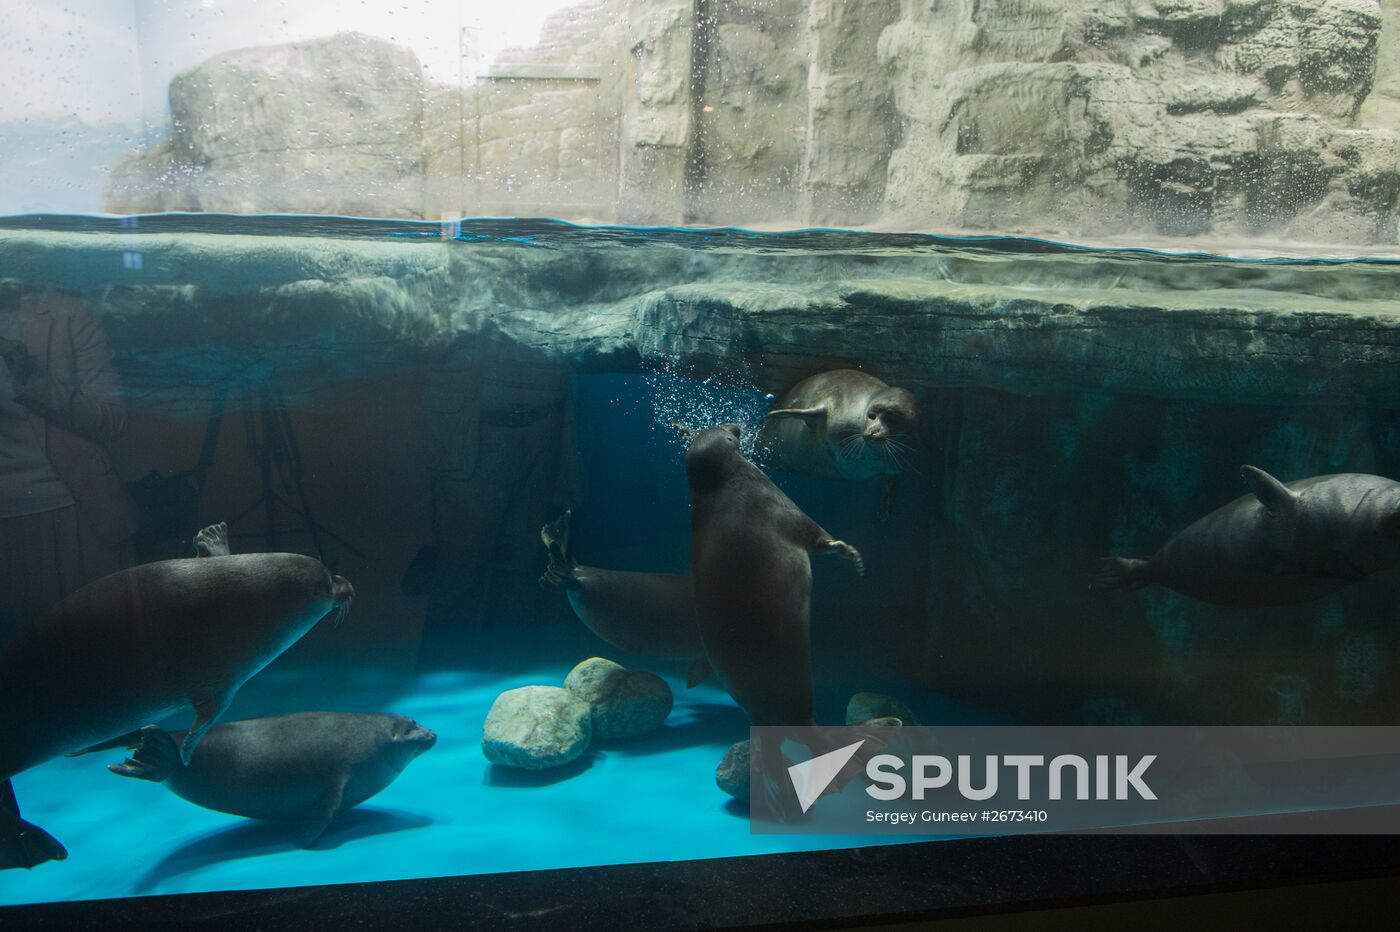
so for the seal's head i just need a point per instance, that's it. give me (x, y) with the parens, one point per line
(408, 739)
(713, 453)
(891, 415)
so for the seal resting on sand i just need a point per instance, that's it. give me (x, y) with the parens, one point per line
(306, 768)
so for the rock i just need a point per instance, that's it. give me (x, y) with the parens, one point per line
(864, 707)
(732, 774)
(1129, 117)
(936, 315)
(625, 703)
(328, 126)
(753, 115)
(1071, 118)
(536, 727)
(851, 125)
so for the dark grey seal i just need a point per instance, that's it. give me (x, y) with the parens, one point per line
(652, 614)
(1280, 545)
(306, 768)
(753, 578)
(138, 645)
(842, 424)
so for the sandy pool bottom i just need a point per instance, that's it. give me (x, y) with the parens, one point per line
(450, 812)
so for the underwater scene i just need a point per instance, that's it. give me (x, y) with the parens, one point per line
(405, 549)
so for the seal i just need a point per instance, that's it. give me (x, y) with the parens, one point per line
(1282, 544)
(750, 549)
(305, 768)
(652, 614)
(842, 424)
(143, 643)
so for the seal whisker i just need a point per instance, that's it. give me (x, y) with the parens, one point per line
(899, 458)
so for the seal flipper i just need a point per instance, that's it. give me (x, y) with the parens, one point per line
(321, 814)
(812, 417)
(1272, 494)
(129, 740)
(844, 550)
(156, 756)
(1279, 501)
(1123, 573)
(560, 573)
(206, 712)
(23, 844)
(698, 672)
(212, 541)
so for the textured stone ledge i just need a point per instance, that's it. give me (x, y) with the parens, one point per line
(204, 308)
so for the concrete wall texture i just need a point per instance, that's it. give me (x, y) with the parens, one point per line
(1112, 119)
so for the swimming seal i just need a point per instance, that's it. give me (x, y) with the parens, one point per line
(842, 424)
(750, 552)
(306, 768)
(753, 578)
(652, 614)
(1282, 544)
(141, 644)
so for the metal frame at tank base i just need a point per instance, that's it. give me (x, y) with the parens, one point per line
(808, 890)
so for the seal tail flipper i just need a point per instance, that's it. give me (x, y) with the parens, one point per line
(555, 535)
(212, 541)
(698, 672)
(156, 756)
(560, 572)
(1121, 573)
(23, 844)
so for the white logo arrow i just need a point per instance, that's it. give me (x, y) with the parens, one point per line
(811, 778)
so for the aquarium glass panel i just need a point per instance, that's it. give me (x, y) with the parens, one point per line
(432, 435)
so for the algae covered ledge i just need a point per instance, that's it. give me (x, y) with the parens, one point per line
(205, 308)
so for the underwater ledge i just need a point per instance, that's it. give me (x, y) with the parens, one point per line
(185, 309)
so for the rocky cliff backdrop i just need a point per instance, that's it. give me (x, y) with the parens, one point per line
(1106, 119)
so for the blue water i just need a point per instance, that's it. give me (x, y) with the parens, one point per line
(450, 812)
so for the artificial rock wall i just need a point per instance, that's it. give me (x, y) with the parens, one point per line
(1128, 119)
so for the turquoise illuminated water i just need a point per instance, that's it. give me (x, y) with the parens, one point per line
(450, 812)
